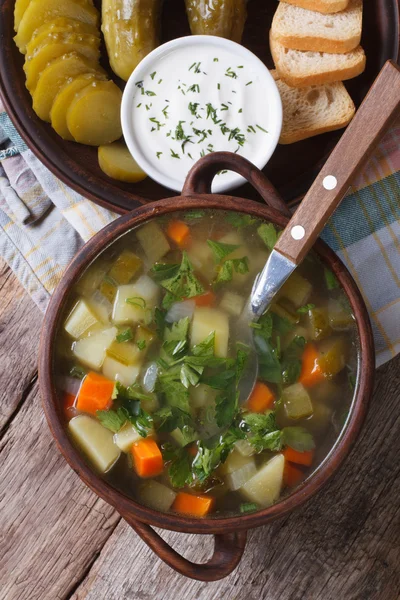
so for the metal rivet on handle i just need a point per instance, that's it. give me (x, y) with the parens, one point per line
(329, 182)
(298, 232)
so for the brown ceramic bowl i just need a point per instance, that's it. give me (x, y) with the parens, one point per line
(230, 533)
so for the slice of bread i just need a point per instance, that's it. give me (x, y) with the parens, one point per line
(326, 7)
(303, 29)
(313, 110)
(299, 68)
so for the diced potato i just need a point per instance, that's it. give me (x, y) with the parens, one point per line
(297, 402)
(201, 257)
(38, 12)
(61, 104)
(340, 317)
(207, 320)
(298, 331)
(116, 161)
(144, 289)
(126, 352)
(234, 462)
(296, 289)
(56, 45)
(156, 495)
(319, 323)
(125, 267)
(91, 351)
(126, 436)
(278, 309)
(202, 395)
(79, 320)
(93, 117)
(117, 371)
(332, 355)
(95, 441)
(153, 241)
(237, 479)
(245, 448)
(232, 303)
(54, 77)
(100, 306)
(182, 438)
(265, 486)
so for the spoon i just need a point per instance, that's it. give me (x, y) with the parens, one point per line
(378, 110)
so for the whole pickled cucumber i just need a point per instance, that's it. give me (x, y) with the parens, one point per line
(224, 18)
(131, 31)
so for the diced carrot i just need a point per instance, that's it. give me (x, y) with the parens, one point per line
(207, 299)
(311, 372)
(147, 458)
(68, 404)
(192, 449)
(196, 506)
(260, 399)
(300, 458)
(179, 233)
(292, 475)
(95, 393)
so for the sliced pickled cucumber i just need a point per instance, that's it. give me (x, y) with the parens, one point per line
(56, 45)
(55, 76)
(59, 25)
(94, 115)
(116, 161)
(19, 10)
(223, 18)
(131, 31)
(42, 11)
(62, 102)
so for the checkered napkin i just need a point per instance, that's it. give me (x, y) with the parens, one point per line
(43, 223)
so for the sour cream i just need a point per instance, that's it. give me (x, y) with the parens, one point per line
(197, 95)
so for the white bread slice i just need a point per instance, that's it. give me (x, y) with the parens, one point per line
(323, 6)
(300, 69)
(313, 110)
(303, 29)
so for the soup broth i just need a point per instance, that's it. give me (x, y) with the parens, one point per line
(148, 367)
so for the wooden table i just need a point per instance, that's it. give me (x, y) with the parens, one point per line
(58, 540)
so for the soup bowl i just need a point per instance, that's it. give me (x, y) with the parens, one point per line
(230, 532)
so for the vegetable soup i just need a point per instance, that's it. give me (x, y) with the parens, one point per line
(148, 367)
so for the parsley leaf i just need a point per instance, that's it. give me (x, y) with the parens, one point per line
(125, 336)
(182, 285)
(298, 438)
(330, 279)
(247, 507)
(77, 372)
(180, 472)
(176, 394)
(268, 234)
(291, 362)
(112, 419)
(162, 271)
(220, 250)
(175, 338)
(130, 398)
(237, 220)
(304, 309)
(194, 214)
(263, 432)
(237, 265)
(281, 325)
(268, 361)
(159, 318)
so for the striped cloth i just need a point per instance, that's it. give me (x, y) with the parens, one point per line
(43, 223)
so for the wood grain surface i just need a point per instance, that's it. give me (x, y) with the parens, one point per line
(58, 541)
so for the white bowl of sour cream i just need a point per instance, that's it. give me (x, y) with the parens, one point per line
(196, 95)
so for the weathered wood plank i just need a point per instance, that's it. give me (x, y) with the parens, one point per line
(343, 545)
(20, 322)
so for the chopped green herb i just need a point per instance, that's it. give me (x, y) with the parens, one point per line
(157, 123)
(330, 280)
(150, 93)
(298, 438)
(141, 344)
(125, 336)
(216, 59)
(304, 309)
(247, 507)
(136, 301)
(251, 129)
(174, 154)
(139, 105)
(249, 83)
(183, 284)
(261, 128)
(268, 234)
(230, 73)
(152, 75)
(194, 88)
(158, 154)
(77, 372)
(194, 214)
(240, 110)
(291, 361)
(220, 250)
(112, 419)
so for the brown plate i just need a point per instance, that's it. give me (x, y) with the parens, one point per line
(292, 168)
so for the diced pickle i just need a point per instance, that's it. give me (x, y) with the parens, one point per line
(279, 309)
(156, 495)
(319, 323)
(318, 423)
(144, 337)
(118, 371)
(116, 161)
(153, 241)
(59, 25)
(238, 478)
(265, 486)
(223, 18)
(108, 288)
(42, 11)
(125, 437)
(339, 314)
(131, 31)
(80, 319)
(126, 352)
(95, 440)
(235, 461)
(297, 402)
(333, 355)
(93, 117)
(125, 267)
(297, 289)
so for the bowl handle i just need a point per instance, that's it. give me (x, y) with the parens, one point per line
(228, 550)
(200, 176)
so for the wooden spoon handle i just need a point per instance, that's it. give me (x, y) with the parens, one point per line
(373, 117)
